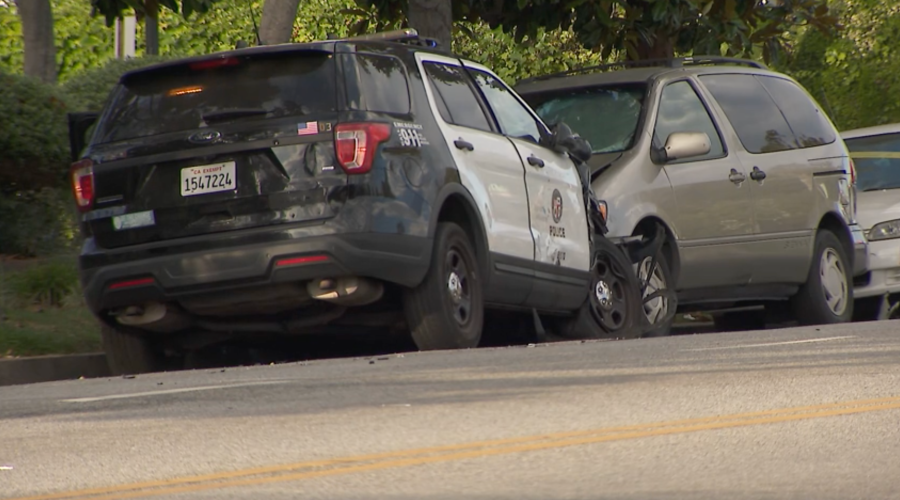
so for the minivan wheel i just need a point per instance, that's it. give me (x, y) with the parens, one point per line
(656, 310)
(446, 310)
(827, 295)
(613, 306)
(128, 353)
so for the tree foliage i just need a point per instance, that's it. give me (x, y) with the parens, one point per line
(853, 75)
(641, 28)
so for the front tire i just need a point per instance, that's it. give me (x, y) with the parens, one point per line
(129, 354)
(658, 311)
(827, 295)
(613, 307)
(446, 310)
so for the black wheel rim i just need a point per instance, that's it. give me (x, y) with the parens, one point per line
(609, 301)
(458, 287)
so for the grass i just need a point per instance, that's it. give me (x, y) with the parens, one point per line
(41, 309)
(56, 330)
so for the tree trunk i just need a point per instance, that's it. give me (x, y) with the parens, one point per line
(37, 30)
(432, 19)
(151, 28)
(277, 23)
(659, 48)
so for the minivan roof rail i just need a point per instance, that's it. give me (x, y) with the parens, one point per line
(408, 35)
(674, 62)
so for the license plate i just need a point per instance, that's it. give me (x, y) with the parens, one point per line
(205, 179)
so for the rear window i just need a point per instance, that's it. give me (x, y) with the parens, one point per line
(376, 83)
(188, 97)
(759, 124)
(877, 160)
(608, 117)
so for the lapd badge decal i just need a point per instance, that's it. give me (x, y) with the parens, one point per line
(556, 206)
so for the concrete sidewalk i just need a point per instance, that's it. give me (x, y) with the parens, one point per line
(49, 368)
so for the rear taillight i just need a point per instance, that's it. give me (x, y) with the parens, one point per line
(82, 173)
(355, 144)
(852, 172)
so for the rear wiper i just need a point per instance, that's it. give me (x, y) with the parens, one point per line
(233, 113)
(879, 189)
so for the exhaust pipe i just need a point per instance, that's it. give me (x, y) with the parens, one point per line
(153, 316)
(346, 291)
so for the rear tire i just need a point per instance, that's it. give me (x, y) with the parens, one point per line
(613, 307)
(827, 295)
(658, 308)
(129, 354)
(446, 310)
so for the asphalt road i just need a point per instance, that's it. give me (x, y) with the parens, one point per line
(805, 413)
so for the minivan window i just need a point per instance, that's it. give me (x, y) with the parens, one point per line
(174, 99)
(514, 119)
(681, 110)
(452, 85)
(806, 120)
(877, 160)
(751, 111)
(380, 81)
(608, 116)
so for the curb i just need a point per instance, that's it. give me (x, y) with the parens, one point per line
(51, 368)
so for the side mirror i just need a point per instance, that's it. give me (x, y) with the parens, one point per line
(563, 140)
(79, 123)
(681, 145)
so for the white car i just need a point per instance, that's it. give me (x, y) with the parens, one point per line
(876, 153)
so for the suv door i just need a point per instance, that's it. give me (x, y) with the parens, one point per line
(780, 176)
(714, 214)
(488, 164)
(555, 197)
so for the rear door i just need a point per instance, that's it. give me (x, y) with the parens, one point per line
(215, 145)
(780, 174)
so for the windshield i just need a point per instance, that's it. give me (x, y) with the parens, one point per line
(174, 99)
(606, 116)
(877, 160)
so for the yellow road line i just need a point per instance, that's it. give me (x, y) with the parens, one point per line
(422, 456)
(893, 155)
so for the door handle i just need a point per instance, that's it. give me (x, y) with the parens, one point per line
(736, 177)
(757, 174)
(461, 144)
(535, 161)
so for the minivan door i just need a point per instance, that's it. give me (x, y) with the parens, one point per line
(714, 214)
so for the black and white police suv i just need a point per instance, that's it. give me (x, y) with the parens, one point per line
(371, 182)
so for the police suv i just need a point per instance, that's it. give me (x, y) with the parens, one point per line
(371, 182)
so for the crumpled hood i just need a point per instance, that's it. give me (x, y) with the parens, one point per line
(875, 207)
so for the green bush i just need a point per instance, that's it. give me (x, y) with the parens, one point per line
(49, 283)
(89, 89)
(33, 134)
(38, 222)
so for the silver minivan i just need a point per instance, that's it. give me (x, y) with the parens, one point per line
(736, 167)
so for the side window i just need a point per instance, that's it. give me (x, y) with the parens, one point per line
(380, 83)
(459, 106)
(804, 117)
(752, 112)
(681, 110)
(514, 118)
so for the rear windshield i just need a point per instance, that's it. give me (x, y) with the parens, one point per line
(189, 97)
(877, 161)
(606, 116)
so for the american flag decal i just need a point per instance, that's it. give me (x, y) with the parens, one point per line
(308, 128)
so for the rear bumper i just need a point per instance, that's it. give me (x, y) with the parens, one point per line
(860, 251)
(123, 277)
